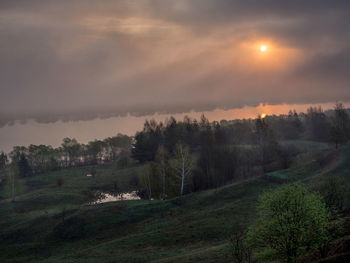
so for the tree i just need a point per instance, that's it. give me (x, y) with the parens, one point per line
(240, 249)
(147, 141)
(94, 149)
(71, 149)
(3, 163)
(162, 160)
(145, 179)
(261, 130)
(318, 126)
(183, 163)
(339, 131)
(24, 168)
(268, 145)
(118, 144)
(12, 180)
(291, 221)
(333, 190)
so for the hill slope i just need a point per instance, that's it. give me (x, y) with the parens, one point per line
(54, 224)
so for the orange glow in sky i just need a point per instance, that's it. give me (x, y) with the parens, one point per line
(264, 55)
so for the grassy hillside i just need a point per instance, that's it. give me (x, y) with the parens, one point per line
(53, 224)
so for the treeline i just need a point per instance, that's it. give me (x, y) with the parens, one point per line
(191, 155)
(37, 159)
(220, 152)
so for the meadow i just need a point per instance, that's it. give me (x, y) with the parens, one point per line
(51, 223)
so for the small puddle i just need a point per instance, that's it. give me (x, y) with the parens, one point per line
(106, 197)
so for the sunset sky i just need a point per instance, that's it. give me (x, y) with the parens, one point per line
(169, 56)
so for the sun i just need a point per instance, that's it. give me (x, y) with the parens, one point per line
(263, 48)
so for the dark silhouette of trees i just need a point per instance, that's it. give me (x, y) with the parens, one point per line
(24, 168)
(268, 146)
(220, 152)
(36, 159)
(340, 125)
(147, 141)
(3, 163)
(162, 163)
(317, 124)
(71, 149)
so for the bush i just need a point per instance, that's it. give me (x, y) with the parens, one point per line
(333, 190)
(240, 250)
(291, 221)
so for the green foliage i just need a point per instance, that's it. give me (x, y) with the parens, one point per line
(333, 189)
(291, 221)
(193, 228)
(13, 184)
(124, 161)
(241, 251)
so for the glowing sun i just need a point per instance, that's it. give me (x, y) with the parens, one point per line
(263, 48)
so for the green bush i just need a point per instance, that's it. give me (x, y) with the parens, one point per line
(292, 220)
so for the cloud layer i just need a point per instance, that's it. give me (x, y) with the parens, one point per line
(82, 59)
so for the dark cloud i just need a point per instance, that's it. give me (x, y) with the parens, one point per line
(83, 59)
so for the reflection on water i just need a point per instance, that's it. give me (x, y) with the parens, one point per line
(106, 197)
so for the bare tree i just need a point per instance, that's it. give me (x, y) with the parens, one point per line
(183, 163)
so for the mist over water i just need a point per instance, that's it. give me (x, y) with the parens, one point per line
(31, 132)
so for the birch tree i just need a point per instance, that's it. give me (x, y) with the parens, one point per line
(183, 163)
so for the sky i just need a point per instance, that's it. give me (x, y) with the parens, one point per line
(82, 59)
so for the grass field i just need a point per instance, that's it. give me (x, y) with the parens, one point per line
(48, 223)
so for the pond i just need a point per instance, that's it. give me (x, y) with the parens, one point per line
(106, 197)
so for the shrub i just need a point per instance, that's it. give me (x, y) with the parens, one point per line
(333, 190)
(240, 250)
(291, 221)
